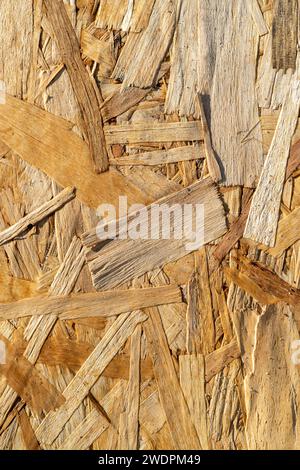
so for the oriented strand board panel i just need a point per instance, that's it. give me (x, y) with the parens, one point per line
(149, 226)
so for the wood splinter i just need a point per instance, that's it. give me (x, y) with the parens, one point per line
(212, 163)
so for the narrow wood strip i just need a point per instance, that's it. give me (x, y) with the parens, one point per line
(200, 337)
(88, 374)
(133, 397)
(37, 215)
(145, 132)
(81, 83)
(212, 163)
(181, 427)
(264, 212)
(192, 381)
(91, 304)
(160, 157)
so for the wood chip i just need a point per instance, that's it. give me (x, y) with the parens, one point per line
(82, 85)
(264, 212)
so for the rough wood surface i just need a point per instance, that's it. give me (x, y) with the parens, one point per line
(108, 303)
(84, 91)
(138, 339)
(264, 212)
(235, 127)
(149, 253)
(285, 34)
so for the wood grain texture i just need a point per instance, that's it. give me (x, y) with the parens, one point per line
(182, 430)
(264, 212)
(149, 253)
(77, 390)
(285, 34)
(84, 91)
(131, 67)
(235, 129)
(36, 216)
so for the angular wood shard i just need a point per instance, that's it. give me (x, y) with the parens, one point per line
(37, 215)
(182, 429)
(121, 260)
(88, 374)
(264, 213)
(46, 142)
(127, 15)
(81, 82)
(131, 67)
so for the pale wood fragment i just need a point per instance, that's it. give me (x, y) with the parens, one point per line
(82, 85)
(287, 234)
(131, 67)
(257, 16)
(127, 15)
(87, 305)
(193, 55)
(200, 319)
(149, 254)
(37, 215)
(88, 374)
(182, 429)
(133, 397)
(273, 374)
(160, 157)
(264, 212)
(192, 381)
(153, 132)
(285, 34)
(235, 126)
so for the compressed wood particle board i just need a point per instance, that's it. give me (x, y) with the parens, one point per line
(124, 330)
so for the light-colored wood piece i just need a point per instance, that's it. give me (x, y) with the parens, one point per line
(103, 304)
(264, 212)
(37, 215)
(192, 381)
(88, 374)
